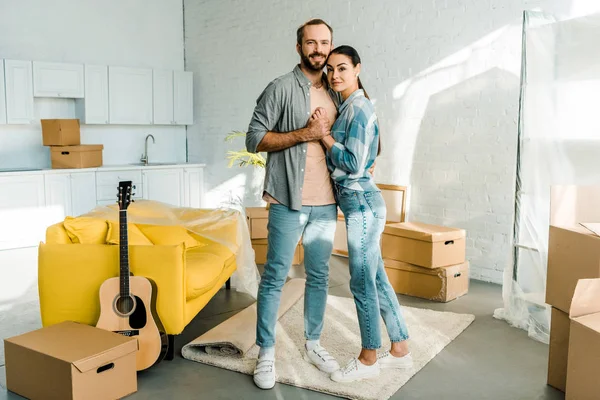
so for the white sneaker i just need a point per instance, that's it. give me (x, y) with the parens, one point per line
(320, 358)
(264, 373)
(387, 360)
(356, 371)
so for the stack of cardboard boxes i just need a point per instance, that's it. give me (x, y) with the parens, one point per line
(63, 136)
(573, 291)
(258, 218)
(426, 261)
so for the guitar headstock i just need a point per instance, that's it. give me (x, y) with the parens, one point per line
(124, 195)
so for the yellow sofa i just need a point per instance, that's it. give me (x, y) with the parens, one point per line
(80, 253)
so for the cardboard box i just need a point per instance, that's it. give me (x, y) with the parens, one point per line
(82, 156)
(560, 325)
(258, 218)
(573, 254)
(424, 245)
(71, 361)
(584, 342)
(260, 252)
(440, 284)
(60, 132)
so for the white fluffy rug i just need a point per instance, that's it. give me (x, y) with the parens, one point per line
(233, 349)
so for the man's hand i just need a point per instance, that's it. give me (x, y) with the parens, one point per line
(317, 127)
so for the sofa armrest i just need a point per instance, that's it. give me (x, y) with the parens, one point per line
(165, 267)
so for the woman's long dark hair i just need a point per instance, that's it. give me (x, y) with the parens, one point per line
(351, 53)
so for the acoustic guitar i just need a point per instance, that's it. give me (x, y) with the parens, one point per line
(128, 303)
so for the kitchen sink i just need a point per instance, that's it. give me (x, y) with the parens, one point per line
(153, 163)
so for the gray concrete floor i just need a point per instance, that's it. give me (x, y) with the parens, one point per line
(489, 360)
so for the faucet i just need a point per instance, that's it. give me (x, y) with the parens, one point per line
(144, 158)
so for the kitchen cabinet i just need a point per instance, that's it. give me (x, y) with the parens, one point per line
(183, 98)
(69, 194)
(32, 201)
(93, 108)
(23, 219)
(130, 95)
(19, 91)
(194, 187)
(2, 94)
(163, 97)
(164, 185)
(173, 97)
(58, 80)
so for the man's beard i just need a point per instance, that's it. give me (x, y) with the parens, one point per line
(308, 63)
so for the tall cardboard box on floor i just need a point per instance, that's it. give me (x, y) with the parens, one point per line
(558, 350)
(583, 381)
(437, 284)
(573, 254)
(70, 360)
(424, 245)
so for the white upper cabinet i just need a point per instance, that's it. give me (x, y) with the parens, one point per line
(93, 109)
(57, 80)
(130, 95)
(2, 95)
(183, 95)
(19, 91)
(163, 97)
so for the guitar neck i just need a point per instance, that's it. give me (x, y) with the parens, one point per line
(123, 253)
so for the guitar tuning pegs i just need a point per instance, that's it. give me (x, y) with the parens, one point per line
(132, 200)
(134, 186)
(133, 194)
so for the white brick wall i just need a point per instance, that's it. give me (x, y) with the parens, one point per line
(444, 78)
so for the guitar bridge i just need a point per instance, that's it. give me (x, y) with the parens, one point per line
(130, 332)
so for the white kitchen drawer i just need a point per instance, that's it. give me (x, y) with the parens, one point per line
(112, 178)
(109, 192)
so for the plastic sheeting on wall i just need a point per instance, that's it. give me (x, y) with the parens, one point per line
(559, 143)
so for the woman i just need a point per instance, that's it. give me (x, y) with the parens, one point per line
(351, 151)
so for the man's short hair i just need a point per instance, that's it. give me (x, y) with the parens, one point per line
(314, 21)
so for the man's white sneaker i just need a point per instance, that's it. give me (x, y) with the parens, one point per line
(320, 358)
(387, 360)
(264, 373)
(356, 371)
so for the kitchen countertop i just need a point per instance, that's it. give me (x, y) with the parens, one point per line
(115, 167)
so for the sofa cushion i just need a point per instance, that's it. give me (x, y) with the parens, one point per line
(135, 237)
(204, 266)
(86, 230)
(169, 235)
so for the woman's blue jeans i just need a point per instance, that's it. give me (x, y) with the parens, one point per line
(374, 296)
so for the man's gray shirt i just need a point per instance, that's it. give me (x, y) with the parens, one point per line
(284, 106)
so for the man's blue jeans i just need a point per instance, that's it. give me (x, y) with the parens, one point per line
(316, 226)
(365, 215)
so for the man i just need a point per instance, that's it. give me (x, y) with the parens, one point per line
(299, 190)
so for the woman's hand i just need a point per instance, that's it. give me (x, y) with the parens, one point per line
(328, 141)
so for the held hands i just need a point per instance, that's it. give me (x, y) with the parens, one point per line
(318, 125)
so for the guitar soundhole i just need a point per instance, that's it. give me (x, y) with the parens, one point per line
(125, 306)
(137, 320)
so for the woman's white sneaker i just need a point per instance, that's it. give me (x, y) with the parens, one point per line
(387, 360)
(356, 371)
